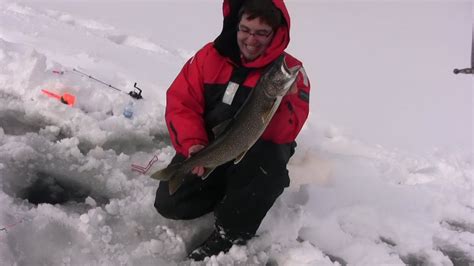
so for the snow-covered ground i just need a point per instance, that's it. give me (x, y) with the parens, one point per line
(351, 201)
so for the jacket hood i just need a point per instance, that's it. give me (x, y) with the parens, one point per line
(226, 42)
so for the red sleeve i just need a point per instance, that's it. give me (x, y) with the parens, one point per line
(185, 106)
(292, 112)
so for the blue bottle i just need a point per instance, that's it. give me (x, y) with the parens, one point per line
(128, 110)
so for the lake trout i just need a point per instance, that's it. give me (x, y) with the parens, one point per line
(236, 136)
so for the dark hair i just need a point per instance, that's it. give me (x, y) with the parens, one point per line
(263, 9)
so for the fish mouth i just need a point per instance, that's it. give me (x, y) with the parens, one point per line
(290, 75)
(289, 72)
(284, 78)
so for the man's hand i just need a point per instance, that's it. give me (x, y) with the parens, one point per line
(198, 170)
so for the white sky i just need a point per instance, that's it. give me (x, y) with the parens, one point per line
(390, 65)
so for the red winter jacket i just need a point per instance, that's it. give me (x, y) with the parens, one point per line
(194, 99)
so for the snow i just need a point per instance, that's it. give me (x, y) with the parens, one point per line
(383, 170)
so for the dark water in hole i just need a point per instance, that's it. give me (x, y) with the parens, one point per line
(50, 189)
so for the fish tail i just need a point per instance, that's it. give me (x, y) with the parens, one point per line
(175, 182)
(173, 174)
(178, 179)
(167, 173)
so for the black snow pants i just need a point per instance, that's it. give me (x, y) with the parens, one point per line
(239, 194)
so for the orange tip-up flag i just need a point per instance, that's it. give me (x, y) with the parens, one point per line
(66, 98)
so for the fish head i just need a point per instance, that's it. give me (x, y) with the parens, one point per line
(279, 78)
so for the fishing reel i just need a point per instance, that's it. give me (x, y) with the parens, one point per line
(135, 94)
(464, 71)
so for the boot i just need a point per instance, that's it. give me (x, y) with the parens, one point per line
(216, 243)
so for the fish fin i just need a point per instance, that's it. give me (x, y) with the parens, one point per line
(174, 183)
(207, 172)
(221, 128)
(166, 173)
(267, 116)
(240, 157)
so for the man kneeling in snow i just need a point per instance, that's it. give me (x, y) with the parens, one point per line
(255, 33)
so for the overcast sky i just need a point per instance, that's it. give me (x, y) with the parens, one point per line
(389, 65)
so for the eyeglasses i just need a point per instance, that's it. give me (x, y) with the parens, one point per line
(259, 34)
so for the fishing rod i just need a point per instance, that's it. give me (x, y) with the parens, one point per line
(136, 94)
(471, 69)
(133, 94)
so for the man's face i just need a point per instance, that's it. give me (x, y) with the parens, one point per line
(253, 37)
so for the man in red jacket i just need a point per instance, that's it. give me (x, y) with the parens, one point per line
(204, 94)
